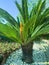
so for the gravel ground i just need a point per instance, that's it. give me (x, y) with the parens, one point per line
(40, 55)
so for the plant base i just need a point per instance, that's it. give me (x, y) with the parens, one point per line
(27, 53)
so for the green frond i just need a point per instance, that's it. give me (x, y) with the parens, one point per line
(41, 29)
(37, 9)
(44, 30)
(41, 6)
(19, 8)
(33, 11)
(18, 21)
(44, 16)
(36, 30)
(8, 17)
(9, 32)
(33, 25)
(25, 10)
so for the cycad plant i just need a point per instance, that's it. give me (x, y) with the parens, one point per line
(25, 30)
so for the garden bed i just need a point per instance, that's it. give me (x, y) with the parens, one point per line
(6, 49)
(11, 54)
(40, 55)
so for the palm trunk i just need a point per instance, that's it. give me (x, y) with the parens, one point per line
(27, 53)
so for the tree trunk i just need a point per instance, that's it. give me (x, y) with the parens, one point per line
(27, 53)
